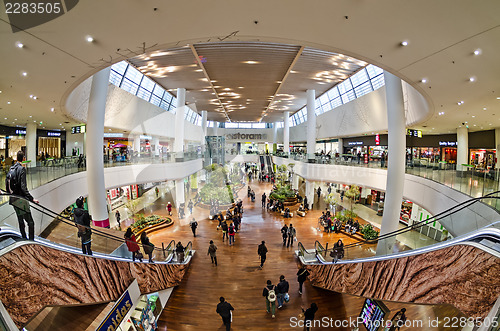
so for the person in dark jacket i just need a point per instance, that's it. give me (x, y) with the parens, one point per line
(224, 231)
(16, 184)
(82, 220)
(284, 233)
(132, 244)
(194, 225)
(147, 246)
(309, 315)
(338, 251)
(224, 310)
(262, 251)
(179, 249)
(282, 291)
(301, 277)
(212, 251)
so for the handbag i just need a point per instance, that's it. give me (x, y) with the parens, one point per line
(287, 297)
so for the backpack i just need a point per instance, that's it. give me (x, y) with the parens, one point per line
(271, 295)
(11, 181)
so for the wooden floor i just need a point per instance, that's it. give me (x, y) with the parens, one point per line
(240, 280)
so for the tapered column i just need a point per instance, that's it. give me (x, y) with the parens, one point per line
(396, 161)
(156, 144)
(462, 148)
(179, 192)
(275, 137)
(203, 129)
(286, 133)
(95, 137)
(179, 124)
(311, 123)
(137, 144)
(31, 144)
(310, 192)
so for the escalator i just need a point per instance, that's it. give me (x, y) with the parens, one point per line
(269, 164)
(40, 273)
(462, 272)
(262, 164)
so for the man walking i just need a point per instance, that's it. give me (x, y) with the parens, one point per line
(291, 235)
(224, 310)
(262, 251)
(269, 293)
(15, 183)
(212, 251)
(282, 291)
(284, 233)
(194, 225)
(264, 200)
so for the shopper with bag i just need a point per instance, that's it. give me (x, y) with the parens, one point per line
(282, 291)
(147, 246)
(269, 293)
(224, 309)
(132, 245)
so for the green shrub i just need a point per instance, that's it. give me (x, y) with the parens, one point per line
(368, 232)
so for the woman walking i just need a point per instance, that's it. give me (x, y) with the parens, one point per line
(132, 245)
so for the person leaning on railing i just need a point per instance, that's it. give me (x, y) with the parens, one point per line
(179, 249)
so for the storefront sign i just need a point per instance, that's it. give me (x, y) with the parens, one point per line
(113, 135)
(448, 143)
(355, 143)
(143, 137)
(117, 313)
(20, 131)
(78, 129)
(377, 139)
(414, 133)
(53, 134)
(249, 136)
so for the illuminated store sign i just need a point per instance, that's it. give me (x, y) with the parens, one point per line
(20, 131)
(355, 143)
(414, 133)
(54, 134)
(78, 129)
(113, 135)
(448, 143)
(246, 136)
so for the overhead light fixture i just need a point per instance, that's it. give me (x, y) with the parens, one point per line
(89, 39)
(473, 115)
(31, 116)
(424, 80)
(472, 79)
(250, 62)
(404, 43)
(8, 102)
(24, 73)
(20, 45)
(52, 109)
(477, 52)
(460, 103)
(484, 108)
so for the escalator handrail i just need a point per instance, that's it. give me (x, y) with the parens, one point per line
(483, 232)
(419, 224)
(48, 212)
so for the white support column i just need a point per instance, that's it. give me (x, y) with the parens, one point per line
(179, 192)
(286, 133)
(340, 148)
(137, 144)
(497, 144)
(396, 161)
(156, 144)
(94, 140)
(179, 123)
(275, 137)
(31, 144)
(295, 182)
(311, 123)
(204, 129)
(462, 148)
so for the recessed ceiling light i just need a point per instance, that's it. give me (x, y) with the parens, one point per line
(498, 98)
(20, 45)
(484, 108)
(51, 109)
(8, 102)
(404, 43)
(472, 79)
(424, 80)
(15, 119)
(89, 39)
(24, 73)
(473, 115)
(250, 62)
(31, 116)
(477, 52)
(35, 97)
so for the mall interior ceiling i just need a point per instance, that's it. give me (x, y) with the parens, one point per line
(242, 63)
